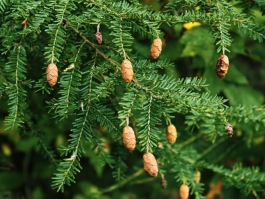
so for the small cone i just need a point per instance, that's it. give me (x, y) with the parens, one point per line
(52, 74)
(98, 36)
(127, 70)
(184, 191)
(229, 129)
(156, 48)
(222, 66)
(129, 139)
(171, 134)
(150, 164)
(197, 177)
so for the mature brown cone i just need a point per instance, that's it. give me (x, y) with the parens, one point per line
(171, 134)
(52, 74)
(127, 70)
(197, 177)
(156, 48)
(150, 164)
(98, 36)
(184, 191)
(222, 66)
(129, 139)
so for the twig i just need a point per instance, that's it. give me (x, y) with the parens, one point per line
(116, 186)
(95, 47)
(147, 90)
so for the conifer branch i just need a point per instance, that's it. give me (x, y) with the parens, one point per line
(57, 30)
(48, 152)
(57, 33)
(148, 138)
(120, 166)
(68, 167)
(3, 5)
(15, 91)
(69, 82)
(246, 179)
(127, 103)
(150, 117)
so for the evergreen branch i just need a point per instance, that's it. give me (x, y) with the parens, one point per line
(222, 37)
(105, 117)
(16, 93)
(244, 114)
(227, 12)
(57, 33)
(130, 14)
(70, 81)
(253, 30)
(245, 179)
(3, 5)
(127, 103)
(57, 30)
(105, 157)
(120, 166)
(174, 94)
(68, 167)
(182, 161)
(148, 138)
(149, 118)
(122, 37)
(102, 151)
(38, 20)
(48, 152)
(146, 89)
(82, 131)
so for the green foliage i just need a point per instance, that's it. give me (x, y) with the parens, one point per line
(81, 118)
(15, 72)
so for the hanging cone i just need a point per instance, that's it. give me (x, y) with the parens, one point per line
(150, 164)
(171, 134)
(129, 139)
(197, 177)
(222, 66)
(98, 36)
(184, 191)
(156, 48)
(127, 70)
(52, 74)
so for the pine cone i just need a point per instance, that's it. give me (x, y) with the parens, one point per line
(52, 74)
(197, 177)
(150, 164)
(127, 70)
(129, 139)
(156, 48)
(171, 134)
(229, 129)
(98, 36)
(222, 66)
(184, 191)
